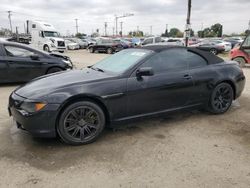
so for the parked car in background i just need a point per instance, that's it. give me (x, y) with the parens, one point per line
(81, 43)
(135, 41)
(89, 41)
(152, 40)
(210, 47)
(132, 84)
(21, 63)
(227, 45)
(71, 45)
(173, 41)
(241, 53)
(232, 41)
(106, 45)
(125, 43)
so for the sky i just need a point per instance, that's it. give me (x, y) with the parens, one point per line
(234, 15)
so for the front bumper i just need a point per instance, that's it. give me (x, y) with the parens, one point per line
(39, 124)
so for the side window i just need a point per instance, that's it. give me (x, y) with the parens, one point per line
(17, 52)
(158, 39)
(148, 41)
(167, 61)
(194, 60)
(246, 42)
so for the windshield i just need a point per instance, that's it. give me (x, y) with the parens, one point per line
(122, 61)
(51, 34)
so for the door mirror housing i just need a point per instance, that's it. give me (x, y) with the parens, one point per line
(145, 71)
(34, 57)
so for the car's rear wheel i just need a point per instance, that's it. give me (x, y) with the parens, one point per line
(81, 123)
(241, 61)
(214, 51)
(109, 51)
(54, 69)
(221, 98)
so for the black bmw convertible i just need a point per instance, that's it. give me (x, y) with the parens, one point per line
(77, 105)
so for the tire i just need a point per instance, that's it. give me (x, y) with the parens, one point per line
(109, 51)
(54, 69)
(242, 62)
(214, 51)
(81, 123)
(221, 98)
(91, 50)
(46, 48)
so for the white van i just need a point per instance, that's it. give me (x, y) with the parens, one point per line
(45, 37)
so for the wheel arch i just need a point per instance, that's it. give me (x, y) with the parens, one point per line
(56, 66)
(80, 97)
(240, 57)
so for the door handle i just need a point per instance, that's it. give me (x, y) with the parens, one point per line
(187, 77)
(11, 62)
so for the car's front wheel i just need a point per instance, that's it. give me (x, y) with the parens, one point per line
(109, 51)
(221, 98)
(81, 123)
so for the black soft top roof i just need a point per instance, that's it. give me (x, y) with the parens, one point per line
(211, 58)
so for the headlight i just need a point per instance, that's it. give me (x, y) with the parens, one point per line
(31, 107)
(52, 40)
(52, 45)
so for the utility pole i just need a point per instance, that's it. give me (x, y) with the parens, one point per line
(76, 25)
(24, 28)
(137, 28)
(151, 29)
(105, 26)
(188, 21)
(248, 27)
(116, 20)
(113, 31)
(121, 28)
(9, 16)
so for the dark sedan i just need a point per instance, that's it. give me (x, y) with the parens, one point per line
(134, 83)
(21, 63)
(108, 46)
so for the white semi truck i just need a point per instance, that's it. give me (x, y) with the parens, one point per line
(45, 37)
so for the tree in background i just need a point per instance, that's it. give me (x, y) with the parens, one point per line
(136, 34)
(217, 29)
(173, 32)
(80, 35)
(165, 34)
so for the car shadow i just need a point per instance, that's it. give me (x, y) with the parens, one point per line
(50, 154)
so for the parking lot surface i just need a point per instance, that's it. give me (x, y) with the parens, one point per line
(193, 149)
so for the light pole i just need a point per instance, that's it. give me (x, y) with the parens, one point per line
(121, 16)
(9, 16)
(187, 31)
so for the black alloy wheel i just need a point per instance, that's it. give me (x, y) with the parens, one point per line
(81, 123)
(214, 51)
(221, 98)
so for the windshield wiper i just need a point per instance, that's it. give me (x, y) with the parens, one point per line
(96, 68)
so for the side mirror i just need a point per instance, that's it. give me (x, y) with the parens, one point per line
(145, 71)
(34, 57)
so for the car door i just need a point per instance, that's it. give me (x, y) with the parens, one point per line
(3, 66)
(24, 64)
(202, 74)
(169, 88)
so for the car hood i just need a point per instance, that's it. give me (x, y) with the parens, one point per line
(45, 85)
